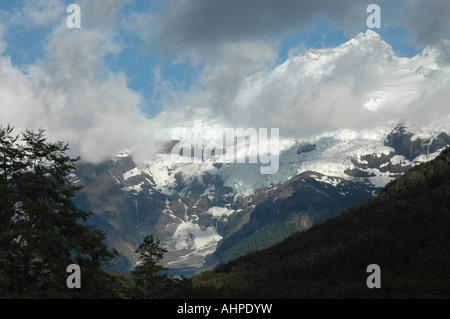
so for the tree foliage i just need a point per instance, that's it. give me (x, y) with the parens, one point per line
(151, 281)
(42, 231)
(405, 230)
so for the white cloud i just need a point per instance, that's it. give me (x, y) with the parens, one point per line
(427, 20)
(72, 94)
(38, 13)
(2, 31)
(326, 90)
(100, 13)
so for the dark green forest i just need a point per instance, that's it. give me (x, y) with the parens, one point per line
(405, 230)
(42, 232)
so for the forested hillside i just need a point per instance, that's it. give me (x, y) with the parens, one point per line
(48, 249)
(404, 230)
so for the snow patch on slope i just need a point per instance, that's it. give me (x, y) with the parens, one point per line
(191, 236)
(220, 212)
(134, 172)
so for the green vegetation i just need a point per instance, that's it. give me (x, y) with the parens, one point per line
(265, 237)
(291, 207)
(405, 230)
(42, 231)
(150, 280)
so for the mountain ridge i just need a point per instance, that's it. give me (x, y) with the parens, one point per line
(205, 212)
(403, 230)
(209, 225)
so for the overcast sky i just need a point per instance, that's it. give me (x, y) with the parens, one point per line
(136, 67)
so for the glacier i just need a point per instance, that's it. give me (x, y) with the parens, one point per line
(397, 85)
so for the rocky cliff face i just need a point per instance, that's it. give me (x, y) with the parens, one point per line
(275, 212)
(406, 145)
(204, 219)
(128, 206)
(406, 151)
(207, 212)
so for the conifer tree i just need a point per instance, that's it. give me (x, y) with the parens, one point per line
(150, 280)
(41, 230)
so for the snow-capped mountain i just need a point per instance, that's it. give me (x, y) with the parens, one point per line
(207, 211)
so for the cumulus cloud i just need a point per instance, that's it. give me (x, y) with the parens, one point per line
(201, 26)
(197, 25)
(101, 14)
(41, 13)
(361, 84)
(73, 95)
(2, 43)
(431, 106)
(429, 21)
(235, 38)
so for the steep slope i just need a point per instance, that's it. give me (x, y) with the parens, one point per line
(207, 211)
(277, 211)
(273, 213)
(203, 222)
(119, 205)
(404, 230)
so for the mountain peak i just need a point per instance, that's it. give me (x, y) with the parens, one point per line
(375, 39)
(368, 35)
(363, 40)
(371, 34)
